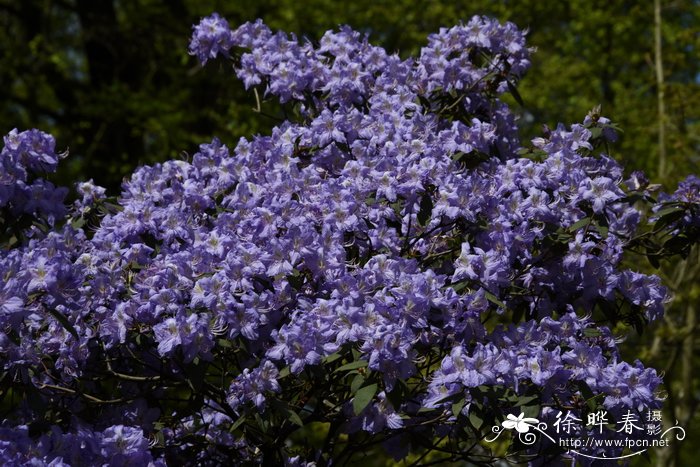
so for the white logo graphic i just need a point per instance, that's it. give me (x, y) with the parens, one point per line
(523, 426)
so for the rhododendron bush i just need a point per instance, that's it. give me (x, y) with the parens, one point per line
(391, 270)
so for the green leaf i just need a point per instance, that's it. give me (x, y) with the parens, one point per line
(475, 420)
(225, 343)
(397, 395)
(678, 245)
(458, 287)
(284, 407)
(667, 217)
(237, 423)
(426, 209)
(524, 400)
(585, 390)
(669, 210)
(159, 439)
(362, 398)
(532, 411)
(262, 424)
(352, 366)
(64, 322)
(493, 299)
(332, 357)
(592, 332)
(457, 407)
(654, 261)
(579, 224)
(458, 156)
(587, 394)
(516, 95)
(596, 132)
(78, 223)
(603, 229)
(293, 417)
(295, 279)
(609, 310)
(357, 381)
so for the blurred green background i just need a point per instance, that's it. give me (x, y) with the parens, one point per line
(111, 79)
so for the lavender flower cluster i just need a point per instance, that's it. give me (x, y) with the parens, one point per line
(684, 203)
(25, 157)
(393, 233)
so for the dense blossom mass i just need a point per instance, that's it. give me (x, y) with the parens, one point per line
(387, 254)
(25, 156)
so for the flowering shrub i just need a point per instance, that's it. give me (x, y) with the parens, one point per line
(390, 266)
(25, 198)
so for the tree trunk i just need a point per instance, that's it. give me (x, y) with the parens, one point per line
(660, 90)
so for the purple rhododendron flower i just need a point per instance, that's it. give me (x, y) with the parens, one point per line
(212, 36)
